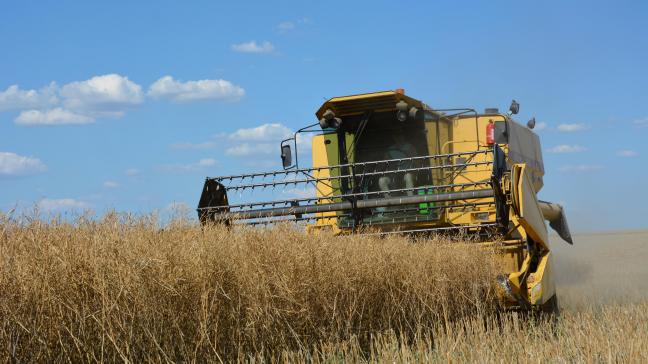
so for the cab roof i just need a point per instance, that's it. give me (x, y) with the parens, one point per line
(361, 103)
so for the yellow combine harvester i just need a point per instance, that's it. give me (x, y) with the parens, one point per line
(386, 163)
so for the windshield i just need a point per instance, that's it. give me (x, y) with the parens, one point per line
(399, 150)
(381, 136)
(385, 138)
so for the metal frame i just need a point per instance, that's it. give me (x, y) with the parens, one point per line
(294, 139)
(349, 205)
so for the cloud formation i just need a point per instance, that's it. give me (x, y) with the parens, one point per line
(581, 168)
(194, 146)
(262, 140)
(305, 192)
(170, 89)
(131, 172)
(111, 92)
(247, 149)
(189, 167)
(641, 123)
(285, 26)
(626, 153)
(110, 184)
(57, 116)
(305, 142)
(540, 126)
(13, 98)
(14, 165)
(253, 47)
(105, 96)
(570, 128)
(79, 102)
(564, 148)
(62, 204)
(259, 145)
(265, 132)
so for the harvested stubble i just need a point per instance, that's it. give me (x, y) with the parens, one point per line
(123, 289)
(606, 334)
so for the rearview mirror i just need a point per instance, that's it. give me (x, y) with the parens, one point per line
(286, 156)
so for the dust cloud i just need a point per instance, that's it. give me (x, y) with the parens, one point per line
(602, 268)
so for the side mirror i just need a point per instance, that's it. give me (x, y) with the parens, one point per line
(515, 107)
(286, 156)
(531, 123)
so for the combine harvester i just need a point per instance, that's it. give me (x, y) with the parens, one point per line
(386, 163)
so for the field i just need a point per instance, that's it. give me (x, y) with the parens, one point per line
(122, 289)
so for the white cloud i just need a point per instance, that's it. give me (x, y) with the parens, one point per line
(568, 128)
(581, 168)
(246, 149)
(74, 103)
(60, 204)
(105, 96)
(307, 192)
(540, 126)
(258, 163)
(131, 172)
(641, 123)
(13, 98)
(12, 164)
(264, 140)
(110, 184)
(196, 146)
(55, 116)
(627, 153)
(285, 26)
(564, 148)
(207, 162)
(168, 88)
(305, 142)
(111, 93)
(253, 47)
(265, 132)
(190, 167)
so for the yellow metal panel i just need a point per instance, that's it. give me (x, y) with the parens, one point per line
(540, 284)
(515, 278)
(324, 189)
(525, 200)
(468, 134)
(361, 96)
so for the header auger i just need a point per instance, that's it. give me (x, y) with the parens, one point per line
(385, 163)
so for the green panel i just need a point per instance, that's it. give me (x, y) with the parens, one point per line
(427, 208)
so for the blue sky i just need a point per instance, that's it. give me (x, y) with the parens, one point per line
(129, 105)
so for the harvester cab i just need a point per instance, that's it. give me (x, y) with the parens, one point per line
(386, 163)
